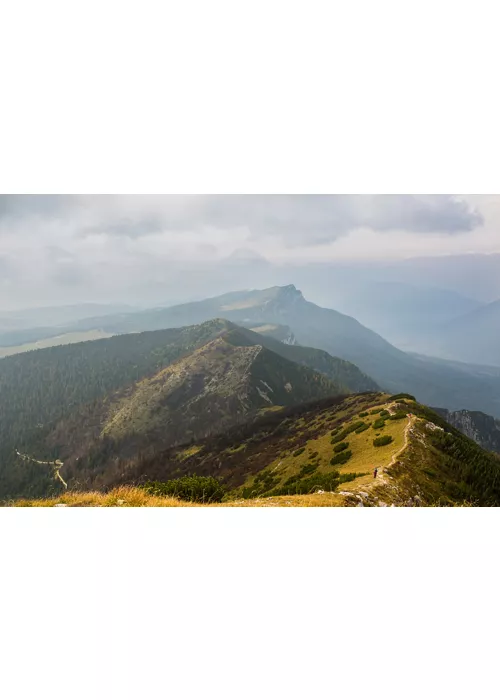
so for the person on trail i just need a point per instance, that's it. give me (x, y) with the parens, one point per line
(375, 472)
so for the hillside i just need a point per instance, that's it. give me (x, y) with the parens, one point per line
(407, 316)
(437, 383)
(320, 454)
(483, 429)
(434, 382)
(473, 337)
(100, 401)
(290, 453)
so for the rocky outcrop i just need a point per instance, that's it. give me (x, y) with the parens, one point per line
(480, 427)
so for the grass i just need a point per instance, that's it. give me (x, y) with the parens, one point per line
(131, 497)
(364, 455)
(289, 464)
(123, 496)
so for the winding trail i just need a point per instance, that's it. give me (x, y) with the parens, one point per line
(56, 464)
(371, 487)
(394, 458)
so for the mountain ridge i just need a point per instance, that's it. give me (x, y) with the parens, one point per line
(108, 398)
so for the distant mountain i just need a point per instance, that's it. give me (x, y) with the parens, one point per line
(432, 381)
(46, 317)
(93, 404)
(483, 429)
(473, 337)
(408, 316)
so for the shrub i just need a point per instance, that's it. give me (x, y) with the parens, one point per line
(299, 452)
(341, 447)
(341, 458)
(375, 411)
(341, 436)
(398, 416)
(402, 396)
(382, 440)
(295, 485)
(379, 423)
(200, 489)
(384, 413)
(307, 469)
(313, 455)
(362, 428)
(344, 478)
(364, 414)
(264, 482)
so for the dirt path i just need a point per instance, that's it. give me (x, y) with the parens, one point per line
(395, 456)
(369, 489)
(56, 464)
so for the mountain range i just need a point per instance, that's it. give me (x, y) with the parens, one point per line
(99, 402)
(194, 388)
(433, 380)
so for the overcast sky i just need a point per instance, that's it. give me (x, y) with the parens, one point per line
(65, 249)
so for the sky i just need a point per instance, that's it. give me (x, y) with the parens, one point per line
(57, 249)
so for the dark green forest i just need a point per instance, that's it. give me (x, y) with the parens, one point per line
(40, 388)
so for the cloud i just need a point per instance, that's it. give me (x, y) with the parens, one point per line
(293, 218)
(66, 248)
(24, 206)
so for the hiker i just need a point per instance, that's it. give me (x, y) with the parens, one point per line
(375, 472)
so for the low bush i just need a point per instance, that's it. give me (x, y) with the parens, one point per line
(384, 413)
(341, 447)
(398, 416)
(375, 411)
(362, 428)
(318, 482)
(299, 452)
(313, 455)
(364, 414)
(199, 489)
(264, 482)
(307, 469)
(340, 437)
(379, 424)
(341, 458)
(344, 478)
(402, 396)
(382, 440)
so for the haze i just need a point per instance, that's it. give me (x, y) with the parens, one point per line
(163, 249)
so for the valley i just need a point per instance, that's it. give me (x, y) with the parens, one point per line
(262, 392)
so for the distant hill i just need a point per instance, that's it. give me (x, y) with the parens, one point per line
(473, 337)
(406, 315)
(433, 381)
(98, 401)
(45, 318)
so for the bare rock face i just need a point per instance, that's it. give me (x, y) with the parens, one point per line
(480, 427)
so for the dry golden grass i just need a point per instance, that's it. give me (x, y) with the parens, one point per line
(131, 497)
(123, 496)
(365, 456)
